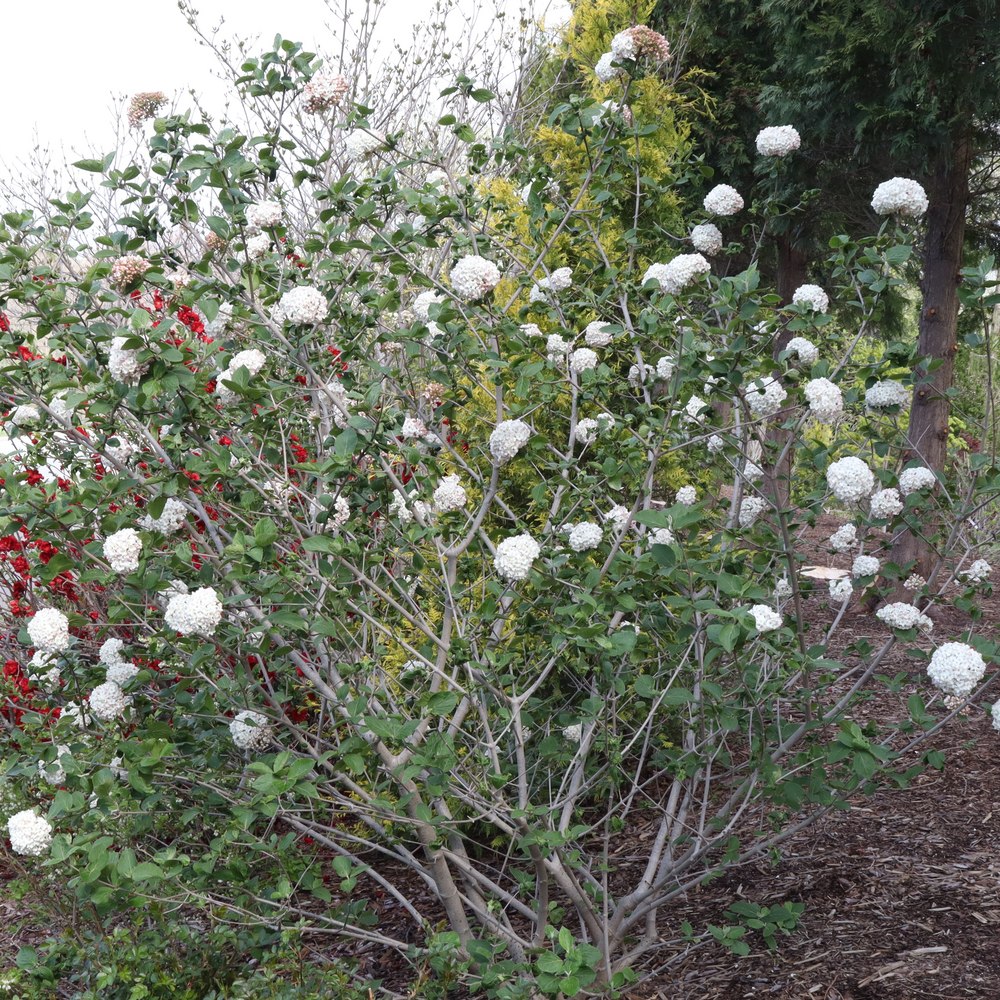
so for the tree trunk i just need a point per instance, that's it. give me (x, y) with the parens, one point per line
(792, 263)
(927, 437)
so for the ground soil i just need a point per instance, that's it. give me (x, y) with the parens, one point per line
(901, 892)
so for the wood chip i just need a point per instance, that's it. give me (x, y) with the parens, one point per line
(882, 973)
(938, 950)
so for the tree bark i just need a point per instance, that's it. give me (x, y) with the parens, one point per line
(927, 437)
(792, 265)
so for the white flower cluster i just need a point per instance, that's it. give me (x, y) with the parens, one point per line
(57, 776)
(450, 494)
(664, 368)
(767, 619)
(901, 196)
(844, 538)
(882, 395)
(422, 304)
(693, 408)
(605, 69)
(123, 365)
(508, 439)
(558, 281)
(515, 556)
(716, 444)
(322, 92)
(840, 590)
(120, 452)
(865, 566)
(723, 200)
(25, 415)
(886, 503)
(806, 351)
(341, 511)
(198, 612)
(585, 535)
(663, 536)
(108, 701)
(171, 518)
(596, 336)
(360, 144)
(687, 495)
(263, 215)
(413, 427)
(914, 582)
(586, 430)
(302, 305)
(778, 140)
(556, 345)
(30, 834)
(978, 572)
(812, 296)
(76, 714)
(121, 672)
(619, 516)
(473, 277)
(49, 631)
(765, 396)
(250, 731)
(956, 669)
(850, 479)
(750, 510)
(904, 616)
(111, 651)
(707, 238)
(258, 247)
(826, 402)
(44, 673)
(680, 272)
(122, 550)
(582, 359)
(919, 478)
(573, 733)
(782, 589)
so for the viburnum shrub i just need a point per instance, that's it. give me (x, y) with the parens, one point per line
(410, 616)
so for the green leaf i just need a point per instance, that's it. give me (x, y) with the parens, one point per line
(147, 870)
(442, 703)
(645, 686)
(265, 532)
(482, 95)
(94, 166)
(27, 958)
(319, 543)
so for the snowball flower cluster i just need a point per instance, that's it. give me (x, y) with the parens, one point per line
(919, 478)
(558, 281)
(995, 712)
(693, 408)
(619, 516)
(596, 336)
(171, 518)
(886, 503)
(882, 395)
(765, 396)
(450, 494)
(585, 535)
(663, 536)
(25, 415)
(43, 672)
(508, 439)
(750, 510)
(978, 572)
(258, 246)
(680, 272)
(573, 733)
(49, 630)
(640, 42)
(124, 365)
(904, 616)
(767, 619)
(840, 590)
(360, 144)
(263, 215)
(723, 200)
(250, 731)
(605, 69)
(515, 556)
(322, 92)
(812, 296)
(122, 550)
(778, 140)
(413, 427)
(900, 196)
(956, 669)
(664, 368)
(145, 105)
(782, 589)
(706, 238)
(826, 402)
(108, 701)
(806, 351)
(473, 277)
(127, 270)
(556, 345)
(582, 359)
(30, 834)
(422, 304)
(844, 538)
(586, 430)
(197, 612)
(302, 305)
(914, 582)
(865, 566)
(687, 495)
(58, 776)
(111, 651)
(715, 444)
(850, 479)
(121, 672)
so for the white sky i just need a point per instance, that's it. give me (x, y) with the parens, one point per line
(59, 89)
